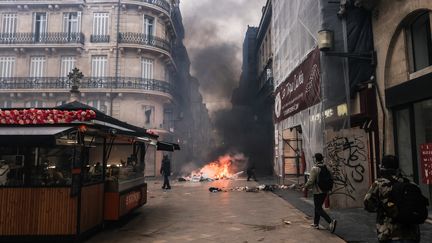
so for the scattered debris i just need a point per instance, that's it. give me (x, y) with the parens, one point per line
(287, 222)
(181, 179)
(215, 189)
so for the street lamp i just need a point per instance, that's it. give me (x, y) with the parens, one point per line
(325, 44)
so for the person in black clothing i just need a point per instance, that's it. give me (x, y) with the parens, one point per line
(166, 171)
(251, 172)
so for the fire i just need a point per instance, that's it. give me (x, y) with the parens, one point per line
(218, 169)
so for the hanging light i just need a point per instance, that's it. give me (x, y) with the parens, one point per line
(325, 40)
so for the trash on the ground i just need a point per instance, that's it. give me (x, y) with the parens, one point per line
(181, 179)
(215, 189)
(287, 222)
(253, 189)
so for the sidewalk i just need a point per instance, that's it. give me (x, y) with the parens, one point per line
(354, 225)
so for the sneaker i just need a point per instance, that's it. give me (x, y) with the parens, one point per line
(316, 226)
(332, 226)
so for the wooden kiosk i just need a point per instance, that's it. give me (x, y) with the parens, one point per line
(63, 171)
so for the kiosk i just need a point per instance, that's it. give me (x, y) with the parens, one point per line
(63, 171)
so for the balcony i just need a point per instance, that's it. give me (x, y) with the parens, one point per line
(40, 2)
(41, 38)
(64, 84)
(163, 4)
(100, 38)
(145, 40)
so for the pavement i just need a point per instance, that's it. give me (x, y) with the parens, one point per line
(355, 225)
(189, 212)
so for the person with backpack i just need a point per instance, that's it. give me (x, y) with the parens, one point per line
(399, 204)
(321, 182)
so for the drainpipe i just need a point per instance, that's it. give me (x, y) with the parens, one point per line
(117, 56)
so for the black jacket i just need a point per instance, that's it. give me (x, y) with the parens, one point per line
(166, 166)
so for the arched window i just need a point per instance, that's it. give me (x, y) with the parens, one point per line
(419, 42)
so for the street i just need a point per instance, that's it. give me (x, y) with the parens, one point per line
(191, 213)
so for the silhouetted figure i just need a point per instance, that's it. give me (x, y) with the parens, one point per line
(166, 171)
(251, 173)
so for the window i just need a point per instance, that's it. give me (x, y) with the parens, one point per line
(61, 102)
(146, 68)
(40, 26)
(149, 115)
(37, 67)
(9, 23)
(148, 25)
(72, 22)
(34, 104)
(100, 27)
(6, 104)
(167, 74)
(99, 66)
(420, 42)
(98, 104)
(66, 65)
(7, 67)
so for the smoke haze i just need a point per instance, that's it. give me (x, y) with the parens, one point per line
(214, 38)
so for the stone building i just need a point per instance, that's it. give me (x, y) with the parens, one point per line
(124, 48)
(402, 39)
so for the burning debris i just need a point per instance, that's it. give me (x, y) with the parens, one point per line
(225, 167)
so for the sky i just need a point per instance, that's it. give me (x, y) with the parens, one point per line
(214, 33)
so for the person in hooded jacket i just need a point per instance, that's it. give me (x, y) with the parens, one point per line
(318, 195)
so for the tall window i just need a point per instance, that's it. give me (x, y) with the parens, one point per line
(148, 25)
(9, 23)
(7, 67)
(167, 74)
(40, 26)
(149, 115)
(100, 24)
(6, 104)
(66, 66)
(421, 45)
(37, 67)
(34, 103)
(146, 68)
(98, 104)
(99, 66)
(72, 22)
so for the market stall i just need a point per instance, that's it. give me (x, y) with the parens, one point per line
(60, 167)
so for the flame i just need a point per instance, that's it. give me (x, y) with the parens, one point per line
(218, 169)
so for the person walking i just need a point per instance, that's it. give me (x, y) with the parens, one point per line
(166, 171)
(377, 200)
(319, 195)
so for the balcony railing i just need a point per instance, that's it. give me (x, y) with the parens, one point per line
(160, 3)
(42, 38)
(86, 83)
(143, 39)
(99, 38)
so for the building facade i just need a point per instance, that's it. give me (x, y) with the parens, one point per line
(402, 38)
(323, 103)
(124, 48)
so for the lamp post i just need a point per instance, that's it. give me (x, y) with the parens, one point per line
(325, 44)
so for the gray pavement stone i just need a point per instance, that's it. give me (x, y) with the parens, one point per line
(190, 213)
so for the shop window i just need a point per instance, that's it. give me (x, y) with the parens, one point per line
(404, 146)
(125, 163)
(419, 42)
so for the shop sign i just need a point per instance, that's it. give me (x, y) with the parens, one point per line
(426, 162)
(300, 90)
(132, 199)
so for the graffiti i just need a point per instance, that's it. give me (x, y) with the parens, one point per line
(346, 158)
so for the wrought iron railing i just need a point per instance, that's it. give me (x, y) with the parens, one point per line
(143, 39)
(99, 38)
(86, 83)
(42, 38)
(160, 3)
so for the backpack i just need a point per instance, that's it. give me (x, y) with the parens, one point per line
(406, 204)
(325, 179)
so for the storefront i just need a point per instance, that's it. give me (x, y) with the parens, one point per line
(411, 105)
(64, 171)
